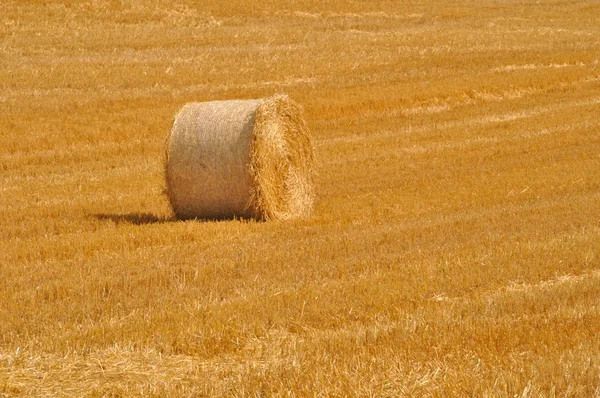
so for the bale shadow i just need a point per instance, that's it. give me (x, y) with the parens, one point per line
(133, 218)
(149, 218)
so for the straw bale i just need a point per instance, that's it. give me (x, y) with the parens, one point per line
(240, 158)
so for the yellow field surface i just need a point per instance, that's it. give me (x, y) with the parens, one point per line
(454, 247)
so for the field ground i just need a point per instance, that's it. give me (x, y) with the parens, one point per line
(453, 249)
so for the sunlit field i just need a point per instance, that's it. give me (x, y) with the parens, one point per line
(454, 246)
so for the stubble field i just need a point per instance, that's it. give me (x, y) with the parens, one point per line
(453, 248)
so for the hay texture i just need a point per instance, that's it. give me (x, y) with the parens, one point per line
(240, 158)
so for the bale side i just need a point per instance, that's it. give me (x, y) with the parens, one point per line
(206, 159)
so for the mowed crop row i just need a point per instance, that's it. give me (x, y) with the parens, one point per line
(454, 244)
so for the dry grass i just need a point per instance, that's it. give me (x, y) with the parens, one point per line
(454, 244)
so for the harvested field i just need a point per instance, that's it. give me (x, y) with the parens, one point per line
(453, 248)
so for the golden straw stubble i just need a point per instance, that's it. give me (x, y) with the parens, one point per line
(240, 158)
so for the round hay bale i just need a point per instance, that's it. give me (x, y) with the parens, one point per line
(240, 158)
